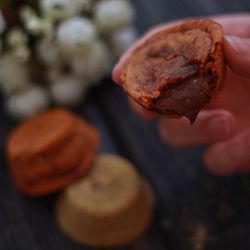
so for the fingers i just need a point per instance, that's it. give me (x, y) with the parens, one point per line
(211, 126)
(231, 156)
(146, 114)
(237, 54)
(235, 24)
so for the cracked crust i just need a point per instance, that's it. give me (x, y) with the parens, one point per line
(178, 70)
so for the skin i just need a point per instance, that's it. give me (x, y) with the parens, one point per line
(224, 125)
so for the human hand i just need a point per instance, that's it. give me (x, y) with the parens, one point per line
(225, 123)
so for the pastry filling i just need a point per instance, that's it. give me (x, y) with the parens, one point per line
(185, 99)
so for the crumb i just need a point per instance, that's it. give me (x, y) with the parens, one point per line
(199, 236)
(196, 231)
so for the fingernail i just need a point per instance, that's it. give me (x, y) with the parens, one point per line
(217, 128)
(240, 45)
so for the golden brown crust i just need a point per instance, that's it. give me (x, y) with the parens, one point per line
(55, 161)
(55, 183)
(126, 208)
(60, 161)
(41, 133)
(185, 54)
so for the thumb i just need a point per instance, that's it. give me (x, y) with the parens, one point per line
(237, 54)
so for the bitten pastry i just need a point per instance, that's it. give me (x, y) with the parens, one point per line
(51, 150)
(112, 206)
(178, 70)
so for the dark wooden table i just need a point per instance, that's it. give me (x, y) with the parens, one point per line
(195, 210)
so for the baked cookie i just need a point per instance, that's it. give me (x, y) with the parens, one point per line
(51, 150)
(111, 206)
(177, 71)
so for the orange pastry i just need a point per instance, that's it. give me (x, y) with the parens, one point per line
(178, 70)
(50, 150)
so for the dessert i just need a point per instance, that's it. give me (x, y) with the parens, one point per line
(51, 150)
(178, 70)
(111, 206)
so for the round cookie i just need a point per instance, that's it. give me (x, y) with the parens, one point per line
(111, 206)
(51, 150)
(54, 183)
(40, 134)
(178, 70)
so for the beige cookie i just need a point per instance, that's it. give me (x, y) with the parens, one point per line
(112, 206)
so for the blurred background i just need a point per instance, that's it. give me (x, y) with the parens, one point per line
(195, 210)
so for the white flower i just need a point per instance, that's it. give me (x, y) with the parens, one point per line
(27, 103)
(18, 41)
(93, 65)
(112, 15)
(48, 53)
(34, 24)
(13, 74)
(61, 9)
(54, 73)
(2, 23)
(38, 26)
(121, 40)
(84, 4)
(16, 37)
(22, 53)
(76, 35)
(26, 13)
(68, 91)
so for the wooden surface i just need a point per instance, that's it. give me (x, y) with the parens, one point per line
(195, 210)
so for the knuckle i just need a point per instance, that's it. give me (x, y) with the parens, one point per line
(170, 136)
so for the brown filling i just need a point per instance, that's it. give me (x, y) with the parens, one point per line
(187, 98)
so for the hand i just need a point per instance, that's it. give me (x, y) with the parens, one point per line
(225, 123)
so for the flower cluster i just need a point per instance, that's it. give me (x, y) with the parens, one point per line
(55, 50)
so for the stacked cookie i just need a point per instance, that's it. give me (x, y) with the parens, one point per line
(51, 150)
(112, 206)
